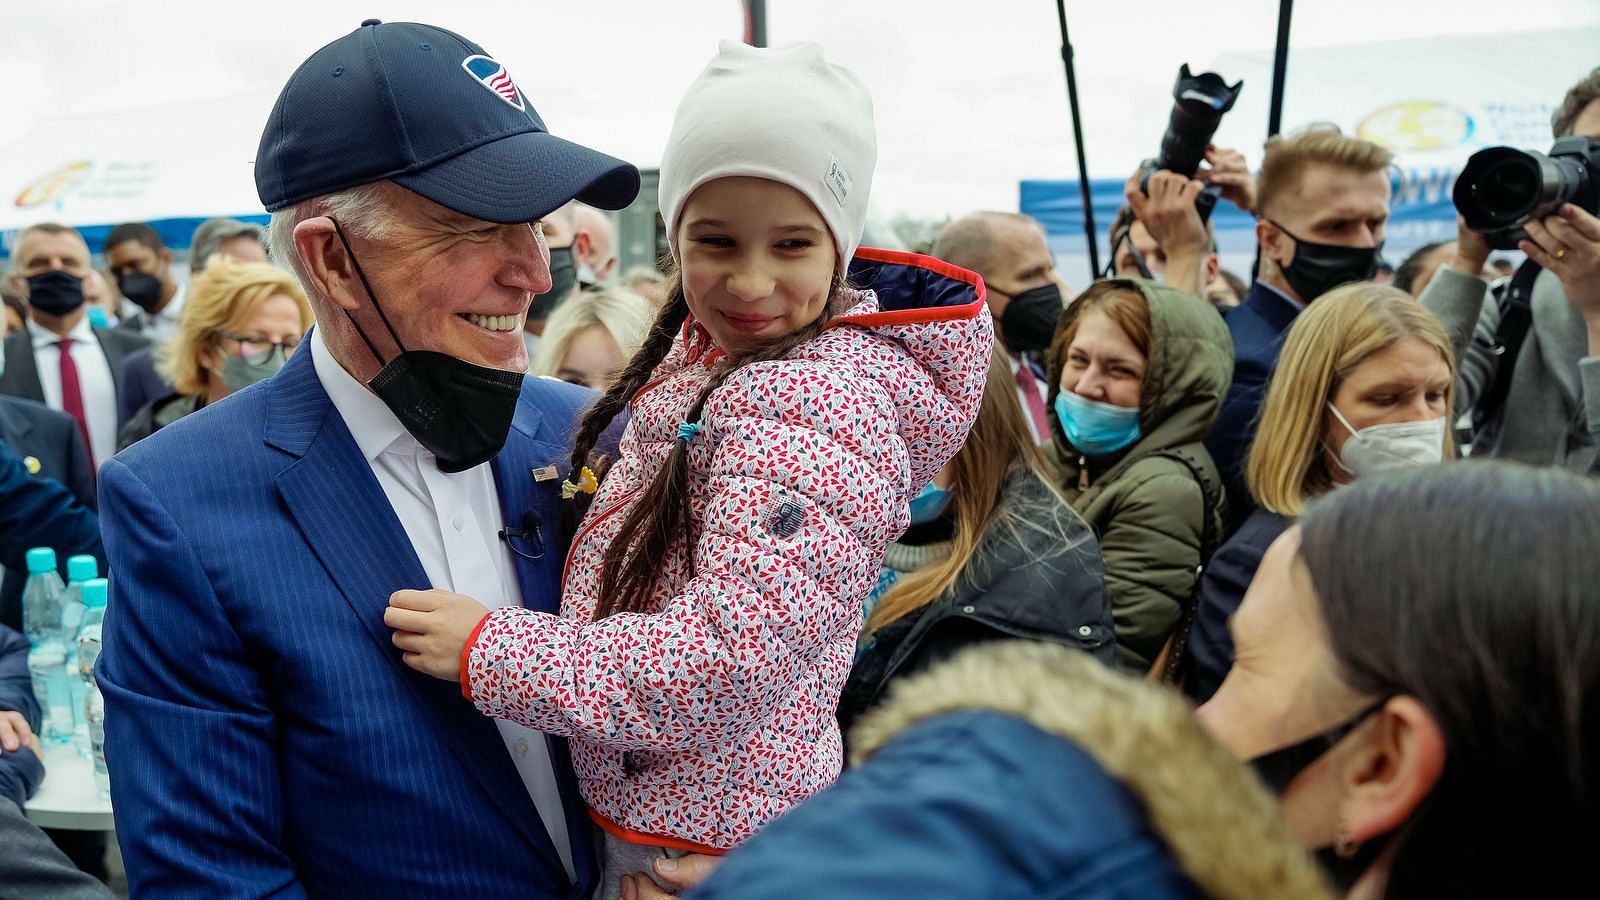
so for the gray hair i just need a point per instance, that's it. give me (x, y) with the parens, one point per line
(365, 211)
(211, 235)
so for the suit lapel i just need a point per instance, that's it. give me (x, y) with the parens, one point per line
(21, 378)
(349, 525)
(528, 503)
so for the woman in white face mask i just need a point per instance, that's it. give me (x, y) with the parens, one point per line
(1365, 384)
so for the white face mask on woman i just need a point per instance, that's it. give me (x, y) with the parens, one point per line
(1397, 445)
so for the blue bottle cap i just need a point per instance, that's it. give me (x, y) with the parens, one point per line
(41, 559)
(94, 593)
(82, 568)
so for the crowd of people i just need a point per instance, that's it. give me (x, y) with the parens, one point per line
(446, 559)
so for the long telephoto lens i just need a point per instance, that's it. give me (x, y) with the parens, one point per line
(1200, 102)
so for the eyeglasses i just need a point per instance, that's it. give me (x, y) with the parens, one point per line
(259, 349)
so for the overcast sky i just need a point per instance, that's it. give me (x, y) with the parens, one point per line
(970, 97)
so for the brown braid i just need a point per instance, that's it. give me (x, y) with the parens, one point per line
(629, 568)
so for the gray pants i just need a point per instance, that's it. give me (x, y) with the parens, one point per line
(619, 858)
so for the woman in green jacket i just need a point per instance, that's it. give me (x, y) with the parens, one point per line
(1138, 371)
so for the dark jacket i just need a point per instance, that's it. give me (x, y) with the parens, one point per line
(20, 772)
(21, 375)
(52, 442)
(156, 415)
(1221, 591)
(39, 512)
(1147, 508)
(1257, 326)
(1021, 769)
(1035, 575)
(31, 867)
(138, 384)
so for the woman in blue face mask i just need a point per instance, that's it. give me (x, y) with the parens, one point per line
(1365, 383)
(239, 325)
(993, 551)
(1139, 372)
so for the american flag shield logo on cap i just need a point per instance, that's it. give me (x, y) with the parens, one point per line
(494, 76)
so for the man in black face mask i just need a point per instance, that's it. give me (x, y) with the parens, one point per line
(568, 244)
(1026, 294)
(399, 448)
(142, 265)
(1322, 201)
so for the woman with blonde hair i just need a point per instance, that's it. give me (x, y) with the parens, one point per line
(589, 338)
(1365, 383)
(993, 551)
(239, 325)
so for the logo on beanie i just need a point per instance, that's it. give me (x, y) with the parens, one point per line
(494, 76)
(838, 181)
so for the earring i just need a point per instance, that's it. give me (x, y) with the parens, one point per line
(1344, 846)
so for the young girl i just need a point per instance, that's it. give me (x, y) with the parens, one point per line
(781, 420)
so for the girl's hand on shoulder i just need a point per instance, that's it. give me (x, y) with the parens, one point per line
(432, 628)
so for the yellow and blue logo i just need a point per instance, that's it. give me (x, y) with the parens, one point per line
(1417, 125)
(53, 185)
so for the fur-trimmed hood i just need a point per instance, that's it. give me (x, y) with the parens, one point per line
(1220, 825)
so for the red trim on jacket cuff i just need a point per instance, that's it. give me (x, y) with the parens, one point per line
(466, 656)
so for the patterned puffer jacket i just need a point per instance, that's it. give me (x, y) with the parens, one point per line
(713, 715)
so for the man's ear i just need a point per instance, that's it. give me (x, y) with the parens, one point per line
(325, 262)
(19, 285)
(1275, 245)
(1213, 266)
(1388, 775)
(166, 261)
(582, 244)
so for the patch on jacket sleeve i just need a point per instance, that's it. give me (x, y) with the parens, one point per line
(783, 517)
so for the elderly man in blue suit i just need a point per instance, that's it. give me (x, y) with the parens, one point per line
(264, 736)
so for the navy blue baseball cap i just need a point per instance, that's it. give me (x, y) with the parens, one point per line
(430, 111)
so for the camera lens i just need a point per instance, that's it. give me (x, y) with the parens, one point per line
(1507, 189)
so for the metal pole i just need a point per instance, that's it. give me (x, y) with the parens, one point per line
(755, 22)
(1280, 68)
(1077, 140)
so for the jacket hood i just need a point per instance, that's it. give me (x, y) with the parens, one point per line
(1219, 823)
(1186, 377)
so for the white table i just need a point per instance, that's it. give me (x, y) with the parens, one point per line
(68, 797)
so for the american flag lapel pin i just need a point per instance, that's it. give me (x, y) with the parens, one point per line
(547, 473)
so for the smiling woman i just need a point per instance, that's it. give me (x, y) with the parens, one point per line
(1365, 383)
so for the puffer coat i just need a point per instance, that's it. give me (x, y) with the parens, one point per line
(702, 720)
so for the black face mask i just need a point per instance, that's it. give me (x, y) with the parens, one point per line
(1279, 768)
(1029, 321)
(1319, 268)
(563, 275)
(144, 290)
(458, 411)
(55, 292)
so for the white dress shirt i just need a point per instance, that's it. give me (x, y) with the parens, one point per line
(452, 521)
(95, 380)
(161, 326)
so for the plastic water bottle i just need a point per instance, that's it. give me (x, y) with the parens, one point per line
(79, 569)
(94, 707)
(42, 600)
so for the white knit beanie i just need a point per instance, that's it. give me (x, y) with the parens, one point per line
(785, 114)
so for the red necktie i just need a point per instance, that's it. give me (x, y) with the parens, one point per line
(72, 396)
(1034, 401)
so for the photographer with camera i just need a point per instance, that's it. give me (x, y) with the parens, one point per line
(1530, 354)
(1322, 201)
(1161, 232)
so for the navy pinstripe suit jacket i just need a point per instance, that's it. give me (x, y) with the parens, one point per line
(264, 737)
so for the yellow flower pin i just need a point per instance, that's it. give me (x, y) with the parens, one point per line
(586, 484)
(32, 462)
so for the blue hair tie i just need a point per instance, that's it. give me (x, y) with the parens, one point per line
(687, 431)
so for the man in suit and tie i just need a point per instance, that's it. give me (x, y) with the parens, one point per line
(60, 359)
(1322, 201)
(266, 737)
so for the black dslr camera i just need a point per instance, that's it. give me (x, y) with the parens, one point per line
(1200, 102)
(1501, 188)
